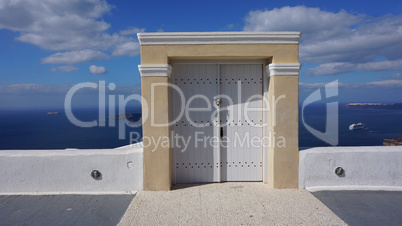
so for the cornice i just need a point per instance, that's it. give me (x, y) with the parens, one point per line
(204, 38)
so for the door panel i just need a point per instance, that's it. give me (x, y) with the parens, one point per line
(195, 157)
(242, 158)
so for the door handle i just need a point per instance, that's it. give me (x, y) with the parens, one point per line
(221, 132)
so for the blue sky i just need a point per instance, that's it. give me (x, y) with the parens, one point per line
(47, 46)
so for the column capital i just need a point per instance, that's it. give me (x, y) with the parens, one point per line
(283, 69)
(159, 70)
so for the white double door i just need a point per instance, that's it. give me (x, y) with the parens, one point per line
(217, 129)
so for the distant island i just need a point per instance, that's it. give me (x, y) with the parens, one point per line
(53, 113)
(393, 142)
(374, 105)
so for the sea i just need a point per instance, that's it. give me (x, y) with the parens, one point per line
(35, 129)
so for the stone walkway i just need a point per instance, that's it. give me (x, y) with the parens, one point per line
(228, 204)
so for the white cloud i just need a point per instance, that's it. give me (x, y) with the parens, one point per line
(66, 68)
(313, 22)
(387, 83)
(329, 37)
(344, 67)
(40, 89)
(131, 31)
(74, 57)
(32, 89)
(98, 70)
(58, 25)
(127, 49)
(375, 84)
(394, 76)
(61, 25)
(320, 85)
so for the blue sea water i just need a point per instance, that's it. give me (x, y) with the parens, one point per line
(34, 129)
(381, 124)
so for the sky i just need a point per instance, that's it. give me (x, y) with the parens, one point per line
(48, 46)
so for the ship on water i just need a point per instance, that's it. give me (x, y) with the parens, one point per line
(357, 126)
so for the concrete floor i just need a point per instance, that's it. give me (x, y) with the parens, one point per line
(63, 209)
(229, 204)
(219, 203)
(364, 207)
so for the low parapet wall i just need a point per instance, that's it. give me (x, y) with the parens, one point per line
(69, 171)
(364, 168)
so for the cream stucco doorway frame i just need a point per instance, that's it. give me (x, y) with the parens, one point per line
(281, 49)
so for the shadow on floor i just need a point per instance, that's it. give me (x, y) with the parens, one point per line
(184, 186)
(364, 207)
(63, 209)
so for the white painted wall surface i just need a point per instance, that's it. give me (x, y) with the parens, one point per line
(372, 168)
(68, 171)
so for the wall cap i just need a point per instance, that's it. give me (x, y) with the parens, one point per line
(283, 69)
(203, 38)
(163, 70)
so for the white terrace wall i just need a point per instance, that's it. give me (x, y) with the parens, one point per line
(69, 171)
(372, 168)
